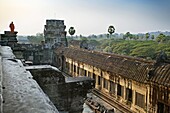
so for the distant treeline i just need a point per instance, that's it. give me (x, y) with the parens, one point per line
(147, 48)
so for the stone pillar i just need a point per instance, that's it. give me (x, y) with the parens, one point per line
(80, 72)
(133, 97)
(124, 92)
(108, 85)
(9, 39)
(147, 96)
(116, 90)
(70, 70)
(102, 83)
(97, 80)
(76, 74)
(97, 84)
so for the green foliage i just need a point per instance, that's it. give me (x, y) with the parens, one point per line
(152, 37)
(123, 48)
(111, 29)
(127, 35)
(93, 42)
(104, 43)
(83, 39)
(164, 47)
(132, 45)
(147, 35)
(36, 39)
(160, 37)
(69, 39)
(143, 43)
(107, 49)
(144, 52)
(143, 49)
(72, 31)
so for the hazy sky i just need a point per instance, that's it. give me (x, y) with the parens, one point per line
(87, 16)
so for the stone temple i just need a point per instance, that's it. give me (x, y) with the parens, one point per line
(54, 33)
(38, 88)
(113, 83)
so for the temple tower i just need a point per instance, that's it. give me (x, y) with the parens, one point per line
(54, 33)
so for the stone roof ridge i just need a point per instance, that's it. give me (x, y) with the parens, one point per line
(116, 55)
(119, 56)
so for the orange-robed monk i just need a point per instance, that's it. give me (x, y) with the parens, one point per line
(12, 27)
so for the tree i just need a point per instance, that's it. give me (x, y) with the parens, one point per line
(111, 29)
(152, 37)
(142, 37)
(72, 31)
(84, 39)
(107, 35)
(167, 39)
(124, 37)
(137, 37)
(147, 35)
(36, 39)
(131, 36)
(160, 37)
(128, 35)
(39, 34)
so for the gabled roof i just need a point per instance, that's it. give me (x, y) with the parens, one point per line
(128, 67)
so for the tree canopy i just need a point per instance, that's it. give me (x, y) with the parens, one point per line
(144, 49)
(111, 29)
(37, 39)
(72, 31)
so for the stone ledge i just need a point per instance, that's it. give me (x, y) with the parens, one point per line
(21, 93)
(10, 33)
(1, 85)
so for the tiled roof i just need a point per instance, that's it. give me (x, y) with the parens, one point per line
(129, 67)
(161, 74)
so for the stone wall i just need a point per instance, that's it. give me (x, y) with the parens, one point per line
(1, 101)
(9, 39)
(20, 92)
(53, 84)
(66, 93)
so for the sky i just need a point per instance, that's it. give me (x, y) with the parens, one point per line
(86, 16)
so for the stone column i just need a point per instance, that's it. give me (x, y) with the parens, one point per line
(70, 69)
(76, 74)
(9, 39)
(124, 92)
(108, 86)
(116, 90)
(133, 97)
(102, 83)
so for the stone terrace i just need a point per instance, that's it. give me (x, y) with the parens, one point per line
(20, 93)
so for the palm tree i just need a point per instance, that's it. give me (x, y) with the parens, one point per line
(72, 31)
(111, 29)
